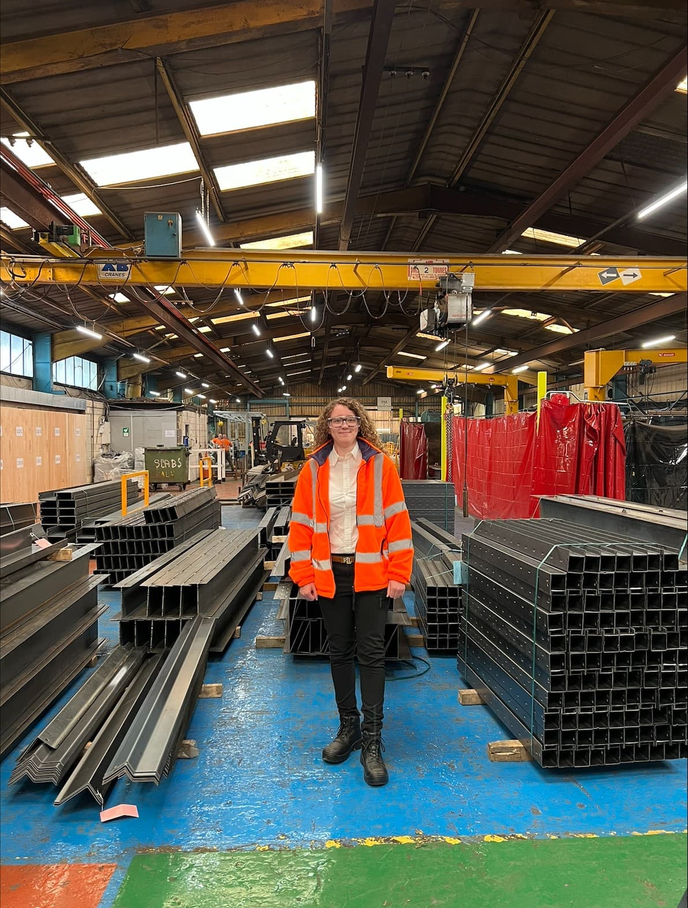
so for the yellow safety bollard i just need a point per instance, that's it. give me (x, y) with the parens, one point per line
(146, 488)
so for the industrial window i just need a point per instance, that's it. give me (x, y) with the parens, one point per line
(16, 355)
(146, 164)
(78, 372)
(250, 109)
(268, 170)
(81, 204)
(27, 150)
(13, 221)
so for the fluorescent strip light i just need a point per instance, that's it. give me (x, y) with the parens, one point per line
(420, 391)
(519, 369)
(188, 391)
(548, 236)
(512, 252)
(238, 400)
(302, 372)
(252, 109)
(349, 377)
(683, 86)
(205, 384)
(663, 200)
(154, 393)
(292, 241)
(204, 227)
(270, 353)
(212, 400)
(145, 164)
(280, 379)
(318, 189)
(267, 170)
(481, 318)
(201, 396)
(411, 355)
(502, 352)
(197, 355)
(237, 294)
(658, 340)
(481, 367)
(285, 394)
(13, 221)
(278, 340)
(314, 314)
(441, 346)
(180, 374)
(358, 368)
(141, 358)
(88, 332)
(256, 330)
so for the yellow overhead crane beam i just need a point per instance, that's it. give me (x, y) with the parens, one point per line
(357, 271)
(600, 366)
(508, 382)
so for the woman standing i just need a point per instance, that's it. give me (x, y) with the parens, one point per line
(351, 549)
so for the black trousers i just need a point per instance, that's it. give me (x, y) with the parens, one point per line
(355, 624)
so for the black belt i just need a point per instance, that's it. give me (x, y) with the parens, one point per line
(343, 559)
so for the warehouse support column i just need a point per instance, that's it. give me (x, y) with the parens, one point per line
(177, 396)
(111, 382)
(151, 384)
(42, 364)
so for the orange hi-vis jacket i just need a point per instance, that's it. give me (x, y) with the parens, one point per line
(384, 550)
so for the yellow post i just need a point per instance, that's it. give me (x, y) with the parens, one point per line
(443, 449)
(203, 462)
(541, 391)
(146, 488)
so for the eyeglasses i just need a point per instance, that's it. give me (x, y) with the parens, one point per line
(340, 421)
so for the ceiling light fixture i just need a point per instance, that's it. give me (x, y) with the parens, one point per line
(205, 384)
(519, 369)
(205, 228)
(358, 367)
(420, 391)
(188, 391)
(286, 394)
(442, 345)
(270, 353)
(89, 332)
(237, 294)
(481, 318)
(238, 400)
(141, 358)
(202, 396)
(663, 200)
(481, 367)
(349, 377)
(411, 355)
(318, 188)
(658, 340)
(256, 330)
(154, 393)
(212, 400)
(180, 374)
(314, 314)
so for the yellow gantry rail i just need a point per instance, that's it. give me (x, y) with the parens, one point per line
(461, 376)
(600, 366)
(330, 270)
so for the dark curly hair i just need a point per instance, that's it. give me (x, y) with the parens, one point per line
(366, 430)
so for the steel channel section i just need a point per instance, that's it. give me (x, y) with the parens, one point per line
(231, 611)
(145, 751)
(26, 643)
(45, 683)
(88, 773)
(26, 557)
(26, 590)
(15, 517)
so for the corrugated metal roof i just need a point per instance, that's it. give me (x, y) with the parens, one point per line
(581, 73)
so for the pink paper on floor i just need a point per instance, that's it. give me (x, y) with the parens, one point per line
(41, 543)
(121, 810)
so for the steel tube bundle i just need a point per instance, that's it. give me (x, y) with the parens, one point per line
(576, 638)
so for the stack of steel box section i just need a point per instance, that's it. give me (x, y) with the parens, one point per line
(431, 498)
(436, 588)
(280, 490)
(576, 638)
(64, 510)
(130, 543)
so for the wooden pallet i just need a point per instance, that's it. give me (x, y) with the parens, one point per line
(508, 752)
(470, 698)
(267, 642)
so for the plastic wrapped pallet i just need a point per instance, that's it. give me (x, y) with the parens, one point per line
(112, 465)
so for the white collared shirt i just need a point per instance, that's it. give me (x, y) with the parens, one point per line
(343, 476)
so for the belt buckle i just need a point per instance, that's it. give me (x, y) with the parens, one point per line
(349, 559)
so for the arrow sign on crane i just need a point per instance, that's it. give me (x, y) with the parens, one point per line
(630, 275)
(608, 275)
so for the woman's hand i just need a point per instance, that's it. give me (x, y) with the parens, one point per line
(308, 592)
(395, 590)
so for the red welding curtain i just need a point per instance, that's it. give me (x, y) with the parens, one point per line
(576, 449)
(500, 465)
(413, 451)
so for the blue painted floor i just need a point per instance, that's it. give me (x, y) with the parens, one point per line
(259, 779)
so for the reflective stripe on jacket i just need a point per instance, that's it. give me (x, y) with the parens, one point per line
(385, 549)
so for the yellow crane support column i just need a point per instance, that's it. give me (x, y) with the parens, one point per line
(541, 391)
(600, 366)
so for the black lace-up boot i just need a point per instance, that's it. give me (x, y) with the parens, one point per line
(348, 738)
(374, 769)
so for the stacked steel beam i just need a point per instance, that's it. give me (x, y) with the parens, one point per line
(431, 498)
(280, 490)
(576, 638)
(437, 591)
(87, 532)
(17, 516)
(305, 633)
(48, 630)
(131, 542)
(214, 574)
(64, 510)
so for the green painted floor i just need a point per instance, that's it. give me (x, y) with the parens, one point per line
(628, 872)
